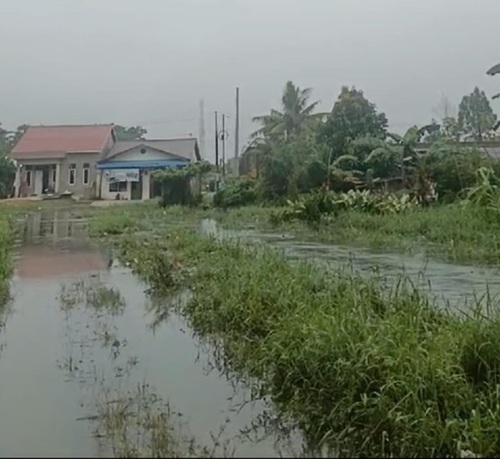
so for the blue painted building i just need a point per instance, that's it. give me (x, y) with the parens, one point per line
(125, 170)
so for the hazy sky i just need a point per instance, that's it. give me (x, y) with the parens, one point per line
(149, 62)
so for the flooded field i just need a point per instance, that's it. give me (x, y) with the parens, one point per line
(90, 363)
(83, 336)
(447, 282)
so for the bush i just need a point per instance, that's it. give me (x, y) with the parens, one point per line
(238, 192)
(314, 206)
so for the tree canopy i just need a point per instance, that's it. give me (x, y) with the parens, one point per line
(476, 119)
(296, 115)
(353, 116)
(130, 133)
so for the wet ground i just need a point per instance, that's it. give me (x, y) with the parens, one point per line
(81, 334)
(454, 284)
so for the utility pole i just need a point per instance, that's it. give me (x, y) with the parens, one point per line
(201, 133)
(216, 153)
(237, 133)
(223, 145)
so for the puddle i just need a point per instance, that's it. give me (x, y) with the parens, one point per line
(82, 332)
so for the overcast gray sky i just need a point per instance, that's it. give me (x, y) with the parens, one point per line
(149, 62)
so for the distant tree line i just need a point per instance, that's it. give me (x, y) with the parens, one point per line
(297, 149)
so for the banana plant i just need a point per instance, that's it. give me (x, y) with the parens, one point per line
(396, 149)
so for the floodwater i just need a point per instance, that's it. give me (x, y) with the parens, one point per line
(63, 355)
(458, 285)
(81, 333)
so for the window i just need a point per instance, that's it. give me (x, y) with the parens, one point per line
(28, 178)
(72, 174)
(54, 175)
(117, 187)
(86, 173)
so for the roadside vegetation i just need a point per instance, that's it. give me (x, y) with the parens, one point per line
(362, 367)
(5, 259)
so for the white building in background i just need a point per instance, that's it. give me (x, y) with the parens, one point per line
(124, 172)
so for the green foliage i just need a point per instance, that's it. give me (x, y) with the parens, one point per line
(475, 116)
(236, 193)
(295, 117)
(6, 234)
(352, 116)
(176, 183)
(367, 369)
(20, 131)
(315, 206)
(7, 175)
(298, 152)
(151, 261)
(454, 168)
(396, 152)
(485, 193)
(130, 133)
(113, 223)
(5, 139)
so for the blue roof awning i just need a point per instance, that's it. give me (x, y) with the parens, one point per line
(147, 164)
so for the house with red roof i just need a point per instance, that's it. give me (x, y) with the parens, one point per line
(56, 159)
(89, 162)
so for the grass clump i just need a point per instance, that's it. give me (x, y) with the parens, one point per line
(236, 193)
(139, 424)
(367, 369)
(5, 258)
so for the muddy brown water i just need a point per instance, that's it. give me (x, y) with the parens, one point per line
(60, 357)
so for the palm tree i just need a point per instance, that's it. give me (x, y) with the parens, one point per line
(399, 150)
(296, 115)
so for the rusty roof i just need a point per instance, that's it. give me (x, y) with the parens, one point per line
(49, 141)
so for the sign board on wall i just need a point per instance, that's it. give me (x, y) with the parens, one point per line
(122, 175)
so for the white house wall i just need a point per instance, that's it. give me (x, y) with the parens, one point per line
(111, 195)
(136, 155)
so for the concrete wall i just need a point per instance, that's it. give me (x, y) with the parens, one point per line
(111, 195)
(79, 189)
(136, 155)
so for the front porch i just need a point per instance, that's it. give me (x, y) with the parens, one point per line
(35, 179)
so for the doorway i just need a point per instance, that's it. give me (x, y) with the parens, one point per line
(38, 182)
(136, 189)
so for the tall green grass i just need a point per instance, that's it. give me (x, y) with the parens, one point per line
(452, 232)
(363, 367)
(5, 258)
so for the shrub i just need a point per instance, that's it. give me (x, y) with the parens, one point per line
(236, 193)
(314, 206)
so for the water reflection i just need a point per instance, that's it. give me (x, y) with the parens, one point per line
(56, 247)
(85, 341)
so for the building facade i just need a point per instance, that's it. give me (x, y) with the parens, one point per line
(58, 159)
(126, 170)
